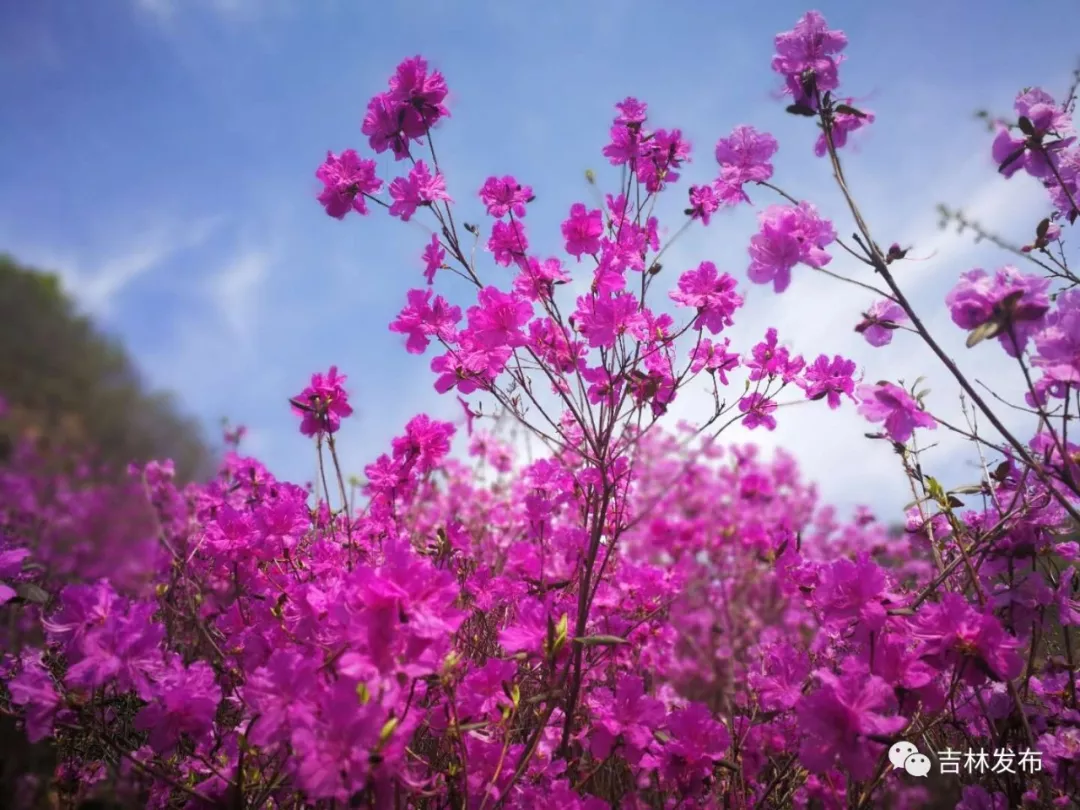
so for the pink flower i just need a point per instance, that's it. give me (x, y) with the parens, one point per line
(744, 157)
(1009, 301)
(780, 685)
(829, 378)
(498, 318)
(758, 409)
(508, 243)
(973, 797)
(1057, 343)
(423, 319)
(11, 563)
(788, 235)
(582, 231)
(954, 634)
(837, 718)
(419, 188)
(537, 279)
(470, 366)
(413, 104)
(185, 702)
(426, 443)
(33, 690)
(323, 404)
(844, 123)
(697, 741)
(605, 318)
(895, 407)
(807, 57)
(1068, 606)
(1046, 118)
(853, 591)
(628, 713)
(880, 321)
(434, 258)
(346, 179)
(712, 294)
(503, 195)
(125, 649)
(714, 358)
(706, 201)
(768, 359)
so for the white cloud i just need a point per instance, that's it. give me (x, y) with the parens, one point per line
(817, 315)
(97, 283)
(235, 291)
(164, 12)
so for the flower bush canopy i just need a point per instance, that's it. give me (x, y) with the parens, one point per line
(639, 617)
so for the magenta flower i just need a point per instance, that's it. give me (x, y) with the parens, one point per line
(503, 195)
(714, 358)
(844, 123)
(185, 702)
(712, 294)
(895, 407)
(880, 321)
(498, 318)
(1068, 606)
(829, 379)
(582, 230)
(537, 279)
(697, 741)
(1008, 304)
(744, 157)
(603, 319)
(423, 319)
(11, 563)
(780, 685)
(508, 242)
(807, 57)
(346, 179)
(419, 188)
(955, 635)
(628, 713)
(768, 360)
(758, 409)
(35, 692)
(1045, 118)
(413, 104)
(1058, 343)
(706, 201)
(789, 235)
(853, 591)
(124, 650)
(837, 718)
(434, 258)
(973, 797)
(323, 404)
(470, 366)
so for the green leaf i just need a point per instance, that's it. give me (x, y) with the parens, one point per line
(29, 592)
(847, 109)
(601, 641)
(990, 329)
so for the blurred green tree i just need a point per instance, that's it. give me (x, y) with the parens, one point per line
(68, 383)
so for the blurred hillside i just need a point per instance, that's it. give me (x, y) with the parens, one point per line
(67, 383)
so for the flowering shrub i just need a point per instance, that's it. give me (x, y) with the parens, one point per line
(641, 617)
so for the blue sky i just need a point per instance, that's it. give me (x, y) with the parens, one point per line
(159, 154)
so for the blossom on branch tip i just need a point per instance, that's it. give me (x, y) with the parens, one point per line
(901, 413)
(323, 404)
(346, 179)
